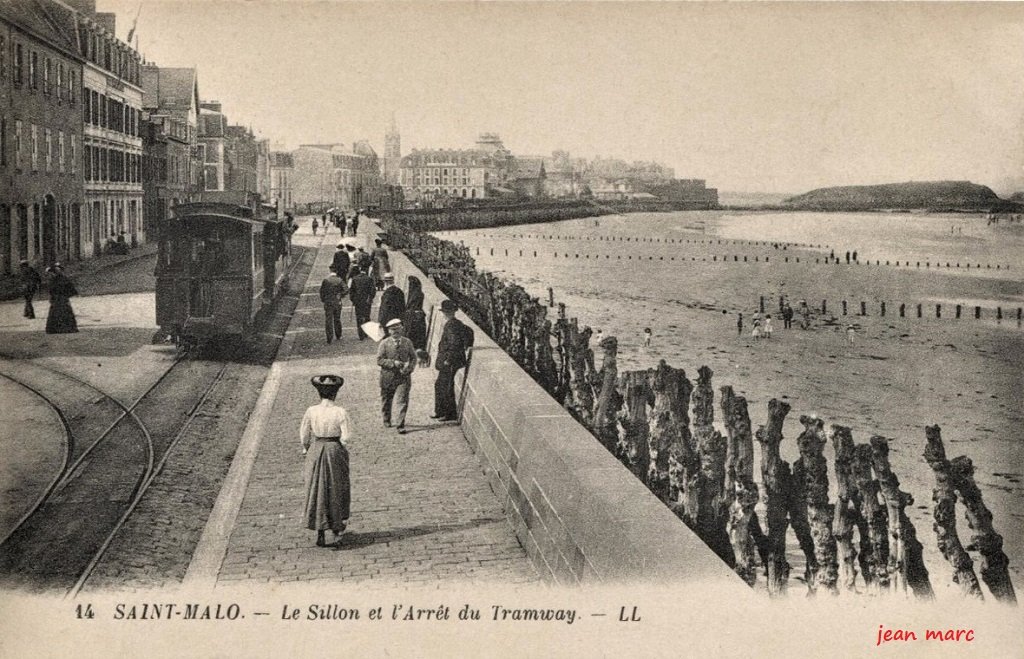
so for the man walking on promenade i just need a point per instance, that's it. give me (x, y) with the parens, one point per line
(31, 280)
(332, 292)
(456, 340)
(392, 301)
(341, 261)
(355, 224)
(361, 292)
(397, 360)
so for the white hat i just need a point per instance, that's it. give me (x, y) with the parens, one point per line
(394, 322)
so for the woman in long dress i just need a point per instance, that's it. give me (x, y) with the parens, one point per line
(61, 318)
(415, 319)
(324, 434)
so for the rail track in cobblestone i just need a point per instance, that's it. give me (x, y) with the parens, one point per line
(106, 472)
(114, 453)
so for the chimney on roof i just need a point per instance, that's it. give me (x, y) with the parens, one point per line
(107, 20)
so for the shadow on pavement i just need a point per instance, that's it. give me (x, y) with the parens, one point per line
(359, 540)
(89, 342)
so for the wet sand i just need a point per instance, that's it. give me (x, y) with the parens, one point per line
(899, 374)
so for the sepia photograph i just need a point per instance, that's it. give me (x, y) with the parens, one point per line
(545, 329)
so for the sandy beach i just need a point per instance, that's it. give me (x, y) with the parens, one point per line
(898, 375)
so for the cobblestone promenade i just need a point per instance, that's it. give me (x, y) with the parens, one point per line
(422, 510)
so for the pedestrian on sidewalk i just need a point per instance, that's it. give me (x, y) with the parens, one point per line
(341, 261)
(30, 283)
(361, 291)
(381, 263)
(324, 434)
(452, 354)
(61, 319)
(392, 301)
(332, 292)
(355, 225)
(397, 360)
(414, 318)
(316, 225)
(353, 257)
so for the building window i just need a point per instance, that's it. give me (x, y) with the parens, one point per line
(19, 63)
(17, 143)
(47, 75)
(87, 110)
(72, 86)
(35, 147)
(3, 56)
(60, 81)
(3, 137)
(60, 151)
(48, 141)
(74, 155)
(33, 70)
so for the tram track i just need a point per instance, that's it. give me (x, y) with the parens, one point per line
(63, 536)
(115, 451)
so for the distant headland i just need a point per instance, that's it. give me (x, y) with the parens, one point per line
(914, 195)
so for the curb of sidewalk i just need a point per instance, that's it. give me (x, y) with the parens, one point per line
(209, 553)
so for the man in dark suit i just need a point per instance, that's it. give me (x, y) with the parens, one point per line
(392, 301)
(332, 292)
(31, 280)
(456, 340)
(341, 261)
(361, 291)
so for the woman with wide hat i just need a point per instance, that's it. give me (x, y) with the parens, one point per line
(324, 433)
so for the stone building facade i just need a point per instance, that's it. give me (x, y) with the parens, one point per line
(170, 170)
(282, 169)
(327, 175)
(212, 143)
(432, 175)
(392, 154)
(41, 189)
(112, 153)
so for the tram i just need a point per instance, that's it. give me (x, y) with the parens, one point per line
(221, 262)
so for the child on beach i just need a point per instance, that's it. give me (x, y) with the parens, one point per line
(756, 332)
(768, 326)
(647, 337)
(850, 334)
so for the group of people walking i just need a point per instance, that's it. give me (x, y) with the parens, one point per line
(61, 317)
(762, 327)
(347, 226)
(324, 431)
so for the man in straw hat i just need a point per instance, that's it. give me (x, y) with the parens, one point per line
(396, 357)
(456, 340)
(324, 434)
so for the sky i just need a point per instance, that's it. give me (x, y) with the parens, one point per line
(754, 97)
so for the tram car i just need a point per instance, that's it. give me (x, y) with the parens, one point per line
(221, 262)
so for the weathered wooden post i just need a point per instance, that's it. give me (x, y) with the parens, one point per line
(739, 483)
(844, 307)
(906, 564)
(846, 513)
(985, 540)
(671, 445)
(608, 399)
(741, 511)
(874, 539)
(711, 450)
(775, 476)
(820, 512)
(944, 496)
(633, 446)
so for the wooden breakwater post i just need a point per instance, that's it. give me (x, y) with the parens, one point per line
(994, 563)
(743, 530)
(873, 522)
(820, 513)
(674, 474)
(775, 479)
(906, 563)
(712, 450)
(551, 297)
(847, 517)
(944, 510)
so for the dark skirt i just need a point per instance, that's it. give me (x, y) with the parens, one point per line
(328, 492)
(415, 322)
(61, 319)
